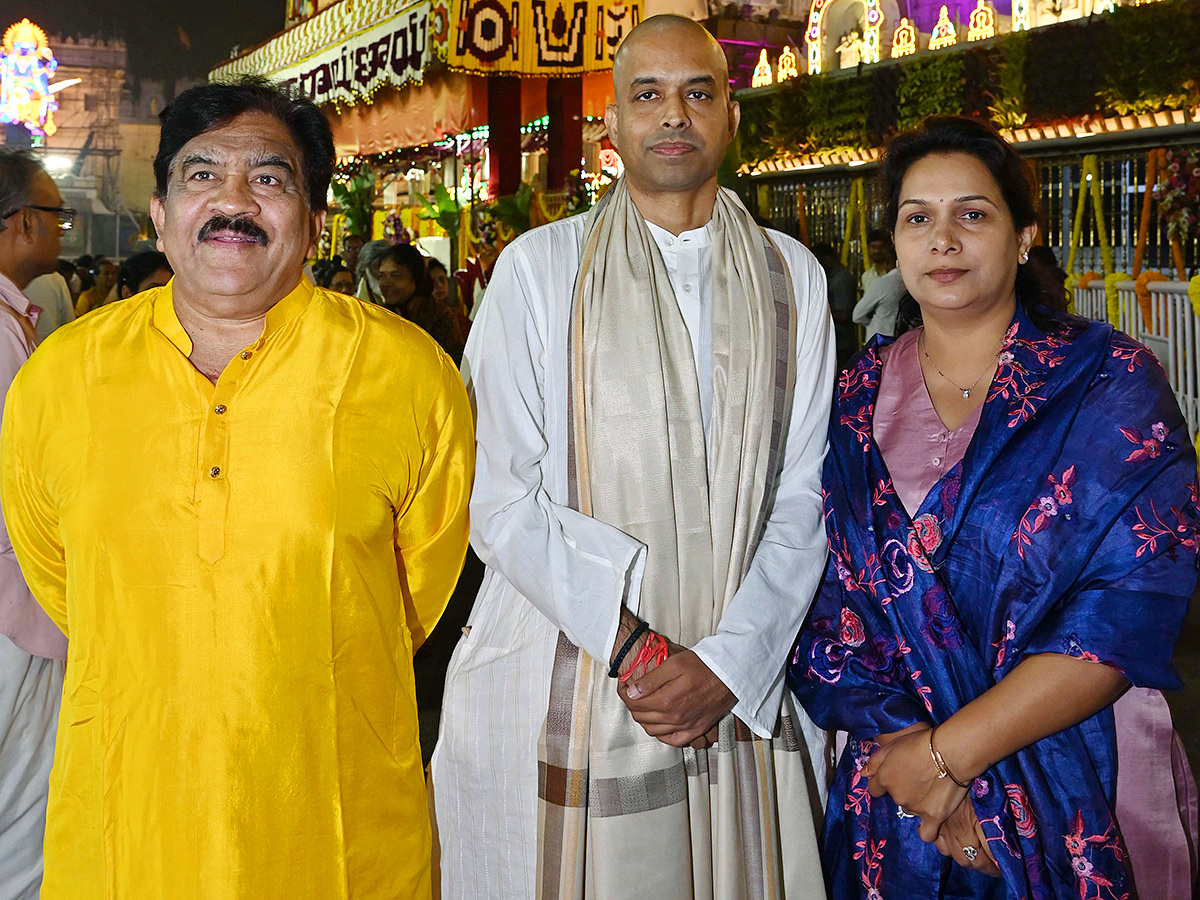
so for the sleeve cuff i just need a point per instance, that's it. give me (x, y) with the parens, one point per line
(760, 712)
(635, 568)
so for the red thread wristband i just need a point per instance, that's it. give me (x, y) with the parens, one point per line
(655, 650)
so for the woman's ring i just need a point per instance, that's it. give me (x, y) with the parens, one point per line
(970, 853)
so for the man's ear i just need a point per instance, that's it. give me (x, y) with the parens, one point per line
(158, 216)
(735, 118)
(316, 220)
(611, 120)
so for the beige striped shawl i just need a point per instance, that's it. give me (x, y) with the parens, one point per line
(620, 813)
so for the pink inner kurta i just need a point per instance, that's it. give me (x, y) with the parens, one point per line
(1156, 804)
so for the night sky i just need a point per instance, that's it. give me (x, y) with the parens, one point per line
(151, 29)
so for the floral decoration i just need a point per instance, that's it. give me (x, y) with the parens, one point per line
(1178, 192)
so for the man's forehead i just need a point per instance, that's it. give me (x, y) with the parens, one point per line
(675, 56)
(249, 138)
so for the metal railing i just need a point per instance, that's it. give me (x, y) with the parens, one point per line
(1168, 327)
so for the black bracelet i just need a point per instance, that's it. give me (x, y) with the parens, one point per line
(615, 669)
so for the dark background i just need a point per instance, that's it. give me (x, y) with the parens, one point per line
(150, 28)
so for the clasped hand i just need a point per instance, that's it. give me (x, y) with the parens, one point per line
(680, 702)
(903, 769)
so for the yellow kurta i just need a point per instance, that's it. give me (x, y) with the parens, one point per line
(243, 571)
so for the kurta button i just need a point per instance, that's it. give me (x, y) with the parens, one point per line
(246, 354)
(219, 409)
(214, 472)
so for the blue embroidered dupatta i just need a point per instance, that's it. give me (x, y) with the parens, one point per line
(1069, 527)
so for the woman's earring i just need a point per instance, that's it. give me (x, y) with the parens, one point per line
(1025, 257)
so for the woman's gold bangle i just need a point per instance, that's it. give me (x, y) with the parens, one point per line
(940, 763)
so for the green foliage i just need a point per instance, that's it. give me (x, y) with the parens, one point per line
(1151, 57)
(1007, 108)
(513, 211)
(443, 210)
(932, 86)
(837, 112)
(753, 144)
(356, 197)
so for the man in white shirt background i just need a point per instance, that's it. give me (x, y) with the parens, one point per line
(652, 385)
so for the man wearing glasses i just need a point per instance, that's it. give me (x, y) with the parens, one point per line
(32, 220)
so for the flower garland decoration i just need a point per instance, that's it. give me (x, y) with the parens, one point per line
(1141, 287)
(1194, 293)
(1071, 283)
(1178, 191)
(1110, 296)
(1089, 188)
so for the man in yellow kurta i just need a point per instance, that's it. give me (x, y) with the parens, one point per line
(243, 499)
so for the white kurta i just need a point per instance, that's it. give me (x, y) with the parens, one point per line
(550, 568)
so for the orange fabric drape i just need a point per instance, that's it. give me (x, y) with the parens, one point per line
(448, 103)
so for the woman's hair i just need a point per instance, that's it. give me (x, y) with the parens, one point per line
(372, 251)
(434, 263)
(138, 268)
(1038, 290)
(410, 257)
(324, 271)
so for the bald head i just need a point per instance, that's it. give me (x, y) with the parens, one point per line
(680, 33)
(672, 117)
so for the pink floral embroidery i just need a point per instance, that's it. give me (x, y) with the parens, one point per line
(1150, 529)
(1092, 884)
(852, 632)
(1010, 632)
(1043, 509)
(882, 491)
(1128, 351)
(1014, 382)
(923, 539)
(1147, 448)
(1018, 805)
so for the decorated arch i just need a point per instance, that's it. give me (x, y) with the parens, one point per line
(844, 33)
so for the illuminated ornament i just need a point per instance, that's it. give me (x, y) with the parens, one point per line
(1104, 6)
(943, 32)
(983, 23)
(26, 94)
(787, 65)
(762, 71)
(812, 37)
(610, 160)
(870, 47)
(1020, 15)
(904, 40)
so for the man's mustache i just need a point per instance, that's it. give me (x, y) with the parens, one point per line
(233, 226)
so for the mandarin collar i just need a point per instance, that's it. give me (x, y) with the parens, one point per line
(278, 316)
(697, 237)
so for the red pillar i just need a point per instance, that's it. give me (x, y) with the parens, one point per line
(504, 135)
(564, 104)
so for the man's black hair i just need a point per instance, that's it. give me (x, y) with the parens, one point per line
(18, 169)
(208, 106)
(879, 234)
(139, 267)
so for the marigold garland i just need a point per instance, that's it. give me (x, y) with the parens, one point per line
(1110, 296)
(1194, 293)
(1141, 287)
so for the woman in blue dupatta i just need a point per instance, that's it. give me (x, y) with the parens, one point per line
(1011, 506)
